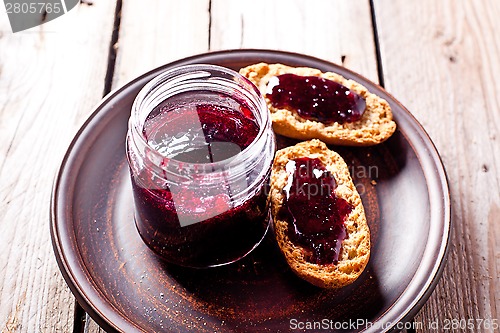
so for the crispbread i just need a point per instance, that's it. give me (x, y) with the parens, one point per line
(355, 250)
(375, 126)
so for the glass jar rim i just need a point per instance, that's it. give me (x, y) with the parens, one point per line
(177, 75)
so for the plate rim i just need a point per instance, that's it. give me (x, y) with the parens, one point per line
(116, 322)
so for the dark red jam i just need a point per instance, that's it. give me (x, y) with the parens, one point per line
(315, 215)
(202, 134)
(315, 98)
(217, 230)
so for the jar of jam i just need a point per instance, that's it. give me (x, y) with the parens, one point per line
(200, 149)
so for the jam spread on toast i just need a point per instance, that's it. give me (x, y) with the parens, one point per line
(315, 98)
(315, 215)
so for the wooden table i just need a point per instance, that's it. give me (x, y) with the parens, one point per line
(439, 58)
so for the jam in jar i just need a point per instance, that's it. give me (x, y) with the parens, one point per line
(200, 149)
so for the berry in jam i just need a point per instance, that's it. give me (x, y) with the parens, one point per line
(315, 98)
(314, 214)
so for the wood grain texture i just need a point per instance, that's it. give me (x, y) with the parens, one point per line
(442, 59)
(153, 33)
(156, 32)
(322, 28)
(91, 326)
(50, 78)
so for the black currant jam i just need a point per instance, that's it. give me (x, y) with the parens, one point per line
(315, 215)
(315, 98)
(200, 133)
(221, 233)
(200, 162)
(199, 225)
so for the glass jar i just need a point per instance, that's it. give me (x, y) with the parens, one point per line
(200, 149)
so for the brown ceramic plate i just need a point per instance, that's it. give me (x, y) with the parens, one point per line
(126, 288)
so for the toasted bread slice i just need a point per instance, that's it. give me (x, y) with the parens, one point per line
(375, 126)
(355, 248)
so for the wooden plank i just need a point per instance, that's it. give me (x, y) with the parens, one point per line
(153, 33)
(338, 31)
(50, 78)
(91, 326)
(156, 32)
(334, 30)
(442, 59)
